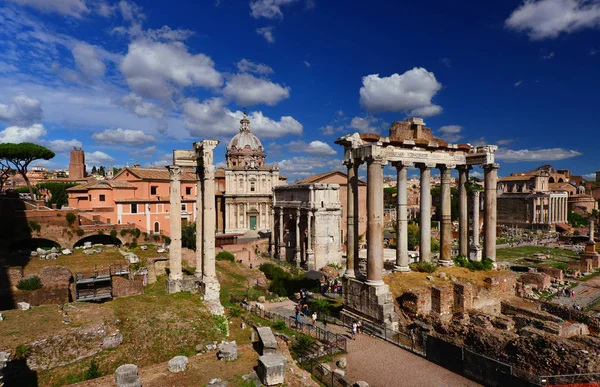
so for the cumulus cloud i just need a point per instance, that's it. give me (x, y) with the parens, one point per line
(61, 146)
(314, 148)
(213, 117)
(16, 134)
(23, 111)
(74, 8)
(157, 70)
(269, 9)
(451, 133)
(267, 33)
(551, 154)
(136, 104)
(410, 92)
(301, 167)
(123, 137)
(518, 83)
(145, 153)
(547, 19)
(307, 63)
(166, 33)
(248, 90)
(99, 158)
(330, 130)
(366, 124)
(246, 66)
(87, 60)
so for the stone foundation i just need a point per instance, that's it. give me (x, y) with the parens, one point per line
(372, 303)
(186, 284)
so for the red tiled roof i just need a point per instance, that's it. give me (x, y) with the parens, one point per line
(321, 176)
(156, 174)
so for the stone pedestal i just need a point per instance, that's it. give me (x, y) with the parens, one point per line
(185, 284)
(127, 376)
(271, 369)
(591, 254)
(268, 343)
(372, 303)
(475, 253)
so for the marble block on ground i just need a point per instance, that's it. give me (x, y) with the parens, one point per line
(178, 364)
(127, 376)
(268, 343)
(271, 369)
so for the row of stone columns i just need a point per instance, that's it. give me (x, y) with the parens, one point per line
(375, 216)
(280, 244)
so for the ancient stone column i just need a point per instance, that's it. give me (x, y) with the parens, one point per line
(491, 182)
(210, 284)
(351, 221)
(463, 211)
(425, 211)
(475, 249)
(297, 248)
(175, 272)
(309, 250)
(591, 230)
(375, 220)
(271, 213)
(402, 259)
(542, 217)
(199, 223)
(446, 223)
(281, 244)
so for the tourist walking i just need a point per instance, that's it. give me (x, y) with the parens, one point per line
(358, 327)
(354, 328)
(314, 319)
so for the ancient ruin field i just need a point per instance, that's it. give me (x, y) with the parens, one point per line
(518, 255)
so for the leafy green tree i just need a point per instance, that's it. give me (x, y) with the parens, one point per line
(188, 236)
(5, 172)
(413, 235)
(22, 154)
(58, 192)
(102, 171)
(94, 170)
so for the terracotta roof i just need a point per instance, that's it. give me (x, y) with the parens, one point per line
(559, 186)
(517, 178)
(163, 199)
(321, 176)
(156, 174)
(102, 184)
(82, 187)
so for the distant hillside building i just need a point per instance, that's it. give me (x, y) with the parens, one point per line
(77, 164)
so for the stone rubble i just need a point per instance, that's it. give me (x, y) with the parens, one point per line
(23, 305)
(127, 376)
(228, 351)
(178, 364)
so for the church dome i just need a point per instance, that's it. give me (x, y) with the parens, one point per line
(245, 149)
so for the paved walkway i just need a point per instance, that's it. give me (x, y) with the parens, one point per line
(382, 364)
(586, 293)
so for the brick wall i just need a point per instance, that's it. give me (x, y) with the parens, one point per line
(512, 209)
(123, 287)
(553, 272)
(539, 280)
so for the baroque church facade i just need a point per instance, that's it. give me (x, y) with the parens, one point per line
(247, 185)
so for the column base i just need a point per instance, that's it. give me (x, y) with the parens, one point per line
(401, 269)
(475, 254)
(371, 303)
(185, 284)
(375, 282)
(446, 263)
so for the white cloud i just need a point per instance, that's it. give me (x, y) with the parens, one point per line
(551, 154)
(166, 33)
(451, 133)
(74, 8)
(145, 153)
(246, 66)
(88, 61)
(410, 92)
(307, 63)
(99, 158)
(590, 176)
(330, 130)
(60, 146)
(301, 167)
(212, 117)
(549, 56)
(7, 67)
(23, 111)
(136, 104)
(547, 19)
(365, 124)
(157, 70)
(505, 142)
(518, 83)
(123, 137)
(16, 134)
(267, 33)
(248, 90)
(269, 9)
(314, 148)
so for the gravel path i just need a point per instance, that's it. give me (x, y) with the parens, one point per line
(382, 364)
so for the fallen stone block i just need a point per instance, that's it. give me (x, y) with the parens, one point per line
(23, 305)
(87, 245)
(132, 258)
(339, 372)
(89, 252)
(127, 376)
(66, 252)
(112, 341)
(360, 383)
(228, 351)
(178, 364)
(342, 363)
(268, 343)
(271, 369)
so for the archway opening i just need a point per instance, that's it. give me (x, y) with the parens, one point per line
(99, 239)
(551, 180)
(35, 243)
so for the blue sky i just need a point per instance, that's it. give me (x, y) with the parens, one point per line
(130, 81)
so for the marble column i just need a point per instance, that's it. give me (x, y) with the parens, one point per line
(542, 217)
(475, 249)
(491, 182)
(352, 260)
(298, 239)
(402, 259)
(463, 211)
(375, 220)
(199, 223)
(534, 210)
(175, 272)
(425, 212)
(309, 250)
(591, 230)
(271, 212)
(210, 283)
(281, 244)
(446, 223)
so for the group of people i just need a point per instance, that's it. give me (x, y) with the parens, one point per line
(333, 286)
(302, 308)
(566, 292)
(356, 327)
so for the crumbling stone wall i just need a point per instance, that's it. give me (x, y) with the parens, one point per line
(123, 287)
(553, 272)
(538, 280)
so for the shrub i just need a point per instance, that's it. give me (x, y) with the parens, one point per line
(279, 325)
(34, 226)
(302, 345)
(137, 232)
(80, 232)
(123, 232)
(93, 371)
(235, 311)
(336, 266)
(426, 267)
(225, 256)
(113, 234)
(462, 261)
(221, 323)
(22, 352)
(71, 217)
(156, 238)
(100, 232)
(30, 283)
(133, 244)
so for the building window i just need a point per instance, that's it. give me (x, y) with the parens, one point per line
(241, 184)
(183, 207)
(153, 190)
(90, 198)
(156, 227)
(188, 190)
(134, 208)
(252, 187)
(102, 198)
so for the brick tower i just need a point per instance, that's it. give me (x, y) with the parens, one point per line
(77, 164)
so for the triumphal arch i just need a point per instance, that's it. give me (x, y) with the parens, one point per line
(205, 278)
(410, 144)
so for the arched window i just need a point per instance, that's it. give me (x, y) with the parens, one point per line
(156, 227)
(252, 187)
